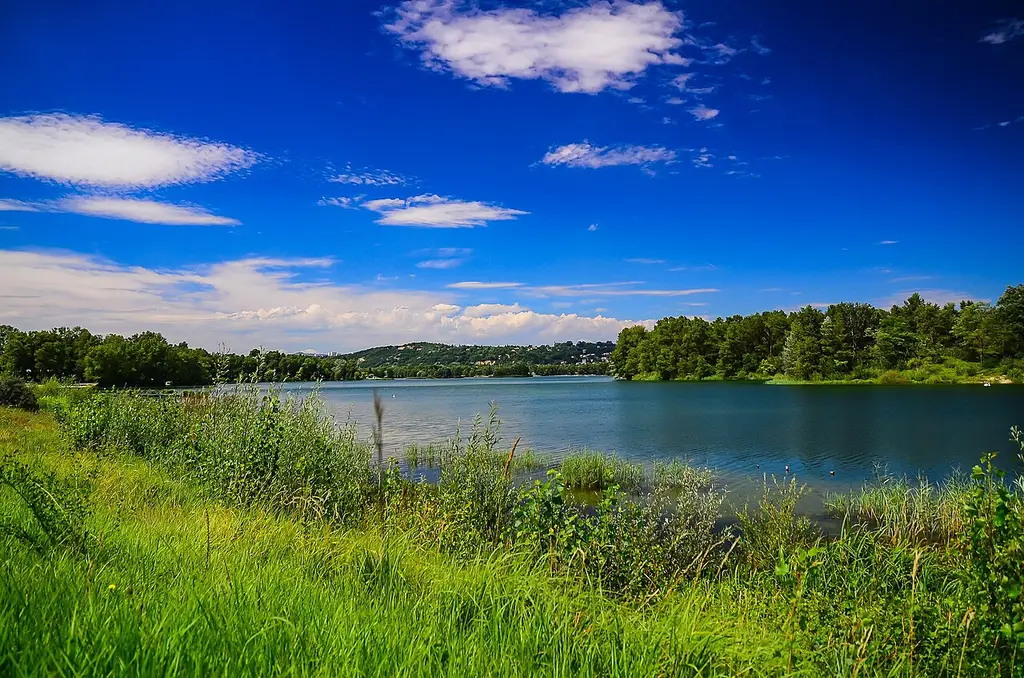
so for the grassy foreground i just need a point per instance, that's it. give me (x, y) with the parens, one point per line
(179, 538)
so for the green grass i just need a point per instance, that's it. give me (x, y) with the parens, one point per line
(259, 569)
(589, 470)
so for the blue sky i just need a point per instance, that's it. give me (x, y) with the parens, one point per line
(333, 176)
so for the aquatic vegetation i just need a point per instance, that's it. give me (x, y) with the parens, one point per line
(248, 530)
(589, 470)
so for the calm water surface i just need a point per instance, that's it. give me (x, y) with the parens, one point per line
(742, 430)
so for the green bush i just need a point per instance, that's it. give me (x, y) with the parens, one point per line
(15, 393)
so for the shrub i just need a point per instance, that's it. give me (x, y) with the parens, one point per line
(15, 393)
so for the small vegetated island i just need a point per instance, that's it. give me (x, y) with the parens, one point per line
(917, 341)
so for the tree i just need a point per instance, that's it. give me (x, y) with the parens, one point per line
(1010, 316)
(801, 356)
(625, 359)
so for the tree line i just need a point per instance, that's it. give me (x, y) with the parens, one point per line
(845, 341)
(148, 360)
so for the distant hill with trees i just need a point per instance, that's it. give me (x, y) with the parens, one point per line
(148, 360)
(917, 341)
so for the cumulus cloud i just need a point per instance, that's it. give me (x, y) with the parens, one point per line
(81, 150)
(276, 303)
(484, 310)
(434, 211)
(592, 157)
(1005, 30)
(142, 211)
(585, 49)
(702, 112)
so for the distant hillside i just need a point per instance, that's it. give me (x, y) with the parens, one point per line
(424, 354)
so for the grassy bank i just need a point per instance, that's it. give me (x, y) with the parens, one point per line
(245, 535)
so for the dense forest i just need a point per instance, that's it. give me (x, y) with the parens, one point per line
(149, 360)
(917, 341)
(423, 359)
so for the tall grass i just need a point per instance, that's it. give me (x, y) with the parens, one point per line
(249, 534)
(589, 470)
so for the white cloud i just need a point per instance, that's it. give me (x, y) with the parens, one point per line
(644, 261)
(483, 310)
(755, 44)
(476, 285)
(612, 290)
(1006, 30)
(87, 151)
(440, 263)
(261, 302)
(8, 205)
(368, 177)
(674, 101)
(128, 209)
(343, 202)
(142, 211)
(586, 155)
(702, 112)
(585, 49)
(888, 242)
(433, 211)
(592, 228)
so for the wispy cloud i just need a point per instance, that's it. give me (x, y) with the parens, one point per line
(1005, 30)
(126, 209)
(368, 177)
(476, 285)
(693, 269)
(613, 290)
(592, 228)
(10, 228)
(143, 211)
(593, 157)
(912, 278)
(584, 49)
(431, 211)
(888, 242)
(343, 202)
(702, 112)
(83, 150)
(640, 260)
(755, 44)
(8, 205)
(441, 264)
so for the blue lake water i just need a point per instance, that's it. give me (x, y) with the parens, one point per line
(743, 430)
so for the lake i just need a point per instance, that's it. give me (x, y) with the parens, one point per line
(742, 430)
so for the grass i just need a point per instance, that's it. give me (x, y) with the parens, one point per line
(589, 470)
(260, 568)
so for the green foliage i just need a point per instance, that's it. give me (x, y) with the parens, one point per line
(994, 542)
(15, 393)
(916, 342)
(57, 508)
(180, 575)
(774, 526)
(588, 470)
